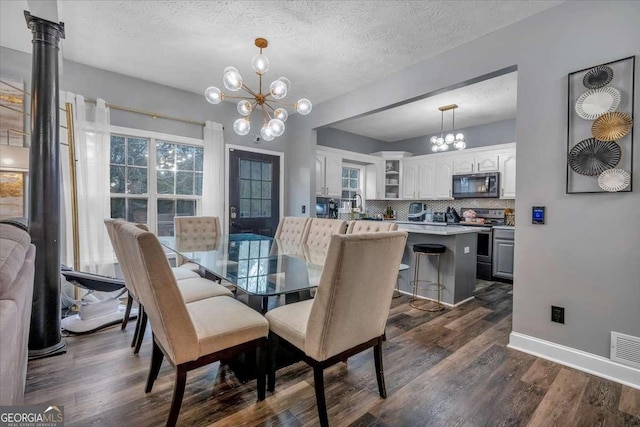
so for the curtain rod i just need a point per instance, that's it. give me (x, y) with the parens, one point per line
(122, 108)
(148, 113)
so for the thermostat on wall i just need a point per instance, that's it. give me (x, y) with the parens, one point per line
(537, 215)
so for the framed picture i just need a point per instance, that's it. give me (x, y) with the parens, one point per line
(13, 195)
(600, 128)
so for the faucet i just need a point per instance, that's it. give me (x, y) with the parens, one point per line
(355, 206)
(359, 205)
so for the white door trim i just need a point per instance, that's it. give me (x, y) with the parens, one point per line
(228, 148)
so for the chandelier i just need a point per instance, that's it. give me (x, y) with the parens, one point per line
(273, 117)
(442, 143)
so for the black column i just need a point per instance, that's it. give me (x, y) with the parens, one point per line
(44, 188)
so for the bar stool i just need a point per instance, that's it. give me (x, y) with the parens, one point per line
(420, 250)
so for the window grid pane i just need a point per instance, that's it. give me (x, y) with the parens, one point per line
(255, 189)
(350, 184)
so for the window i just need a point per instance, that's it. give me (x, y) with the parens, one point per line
(129, 178)
(255, 189)
(138, 195)
(350, 185)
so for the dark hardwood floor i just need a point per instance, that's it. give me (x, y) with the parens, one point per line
(442, 369)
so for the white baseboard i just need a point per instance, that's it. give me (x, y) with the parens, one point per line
(578, 359)
(434, 300)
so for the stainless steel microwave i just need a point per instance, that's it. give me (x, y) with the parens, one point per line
(477, 185)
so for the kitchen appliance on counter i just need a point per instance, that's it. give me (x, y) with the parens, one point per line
(477, 185)
(417, 211)
(326, 208)
(485, 219)
(452, 215)
(439, 217)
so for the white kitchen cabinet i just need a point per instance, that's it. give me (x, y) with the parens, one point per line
(410, 177)
(488, 162)
(444, 172)
(374, 181)
(328, 175)
(508, 174)
(463, 165)
(426, 180)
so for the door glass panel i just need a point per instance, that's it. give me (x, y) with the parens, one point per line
(245, 169)
(255, 192)
(266, 190)
(245, 206)
(266, 171)
(256, 170)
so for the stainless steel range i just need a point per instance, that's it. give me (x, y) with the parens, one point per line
(487, 219)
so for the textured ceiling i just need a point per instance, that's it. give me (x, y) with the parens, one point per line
(484, 102)
(325, 48)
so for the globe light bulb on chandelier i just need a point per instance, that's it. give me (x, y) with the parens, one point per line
(273, 117)
(442, 142)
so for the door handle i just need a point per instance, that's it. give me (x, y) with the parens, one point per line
(233, 213)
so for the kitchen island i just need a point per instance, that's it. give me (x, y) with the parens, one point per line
(457, 264)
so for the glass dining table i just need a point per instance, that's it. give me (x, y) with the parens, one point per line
(259, 266)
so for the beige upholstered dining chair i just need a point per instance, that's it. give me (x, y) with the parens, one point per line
(320, 230)
(193, 334)
(191, 285)
(190, 226)
(359, 227)
(349, 312)
(292, 229)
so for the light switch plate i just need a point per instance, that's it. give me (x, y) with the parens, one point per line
(467, 249)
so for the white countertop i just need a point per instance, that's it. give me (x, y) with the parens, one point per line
(439, 230)
(440, 224)
(504, 227)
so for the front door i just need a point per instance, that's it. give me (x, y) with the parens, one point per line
(254, 192)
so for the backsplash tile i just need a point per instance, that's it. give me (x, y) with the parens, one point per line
(375, 207)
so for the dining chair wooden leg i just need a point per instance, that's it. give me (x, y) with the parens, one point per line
(156, 362)
(273, 350)
(127, 312)
(261, 359)
(143, 327)
(377, 354)
(134, 339)
(318, 382)
(178, 394)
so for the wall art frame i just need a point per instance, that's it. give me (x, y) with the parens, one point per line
(600, 128)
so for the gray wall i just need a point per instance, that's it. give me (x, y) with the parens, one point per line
(336, 138)
(501, 132)
(586, 257)
(143, 95)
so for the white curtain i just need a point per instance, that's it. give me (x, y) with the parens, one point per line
(92, 154)
(213, 172)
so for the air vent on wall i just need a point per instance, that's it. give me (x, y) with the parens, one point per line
(625, 349)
